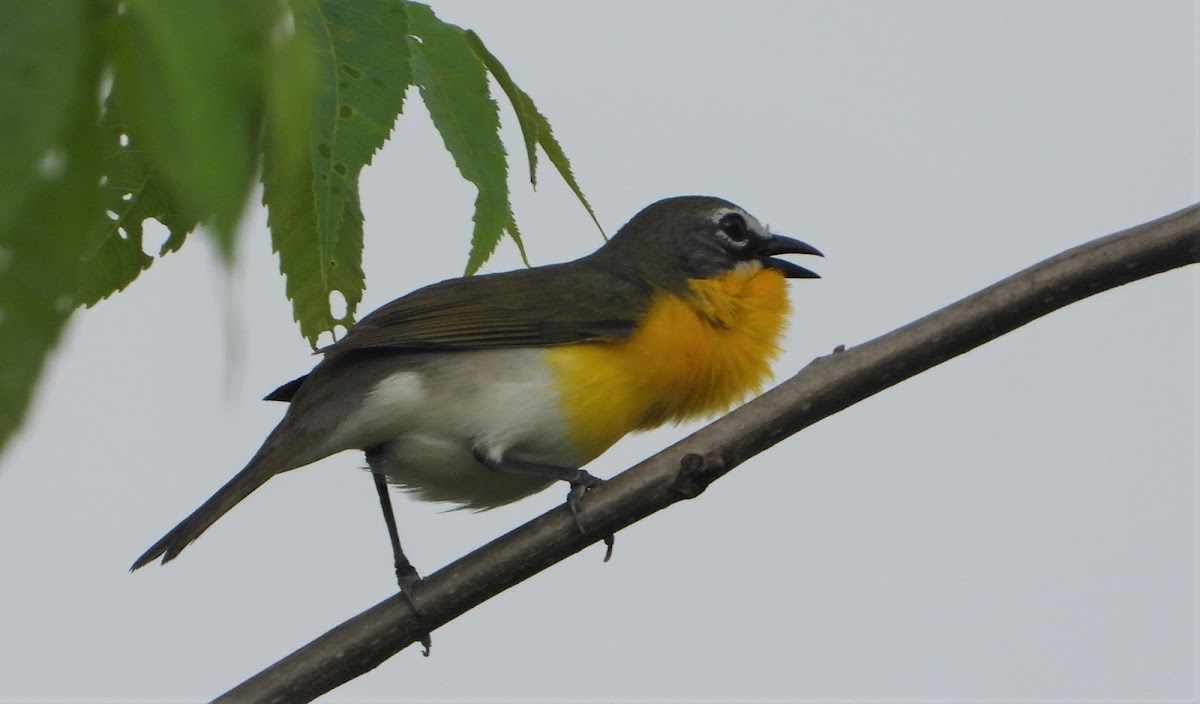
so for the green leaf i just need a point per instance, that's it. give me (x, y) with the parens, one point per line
(288, 194)
(453, 82)
(131, 192)
(521, 102)
(535, 128)
(190, 80)
(41, 57)
(362, 73)
(291, 85)
(40, 248)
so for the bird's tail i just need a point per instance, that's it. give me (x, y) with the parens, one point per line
(264, 466)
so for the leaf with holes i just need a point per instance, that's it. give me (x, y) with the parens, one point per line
(288, 194)
(362, 72)
(130, 193)
(535, 128)
(191, 80)
(453, 82)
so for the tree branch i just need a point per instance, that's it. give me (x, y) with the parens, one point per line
(685, 469)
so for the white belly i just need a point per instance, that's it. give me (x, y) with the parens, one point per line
(424, 421)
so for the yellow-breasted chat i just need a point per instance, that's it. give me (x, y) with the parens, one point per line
(482, 390)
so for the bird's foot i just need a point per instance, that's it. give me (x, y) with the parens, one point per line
(579, 480)
(579, 487)
(407, 578)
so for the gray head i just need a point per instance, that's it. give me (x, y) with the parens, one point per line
(697, 237)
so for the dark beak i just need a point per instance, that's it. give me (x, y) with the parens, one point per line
(778, 244)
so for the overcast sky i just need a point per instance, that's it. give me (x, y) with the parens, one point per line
(1019, 523)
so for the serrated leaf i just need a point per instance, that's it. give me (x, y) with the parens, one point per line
(40, 248)
(362, 69)
(556, 156)
(191, 81)
(288, 195)
(131, 192)
(41, 57)
(453, 82)
(535, 128)
(521, 102)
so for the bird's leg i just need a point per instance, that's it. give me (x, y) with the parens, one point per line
(579, 479)
(406, 574)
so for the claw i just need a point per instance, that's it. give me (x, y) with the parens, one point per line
(407, 580)
(579, 487)
(574, 496)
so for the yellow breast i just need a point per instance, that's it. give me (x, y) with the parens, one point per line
(688, 358)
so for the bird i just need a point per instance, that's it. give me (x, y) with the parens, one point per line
(482, 390)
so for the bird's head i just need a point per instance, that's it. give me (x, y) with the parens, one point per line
(699, 237)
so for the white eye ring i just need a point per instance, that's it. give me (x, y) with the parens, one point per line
(732, 243)
(733, 230)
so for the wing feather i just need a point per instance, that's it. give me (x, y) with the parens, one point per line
(551, 305)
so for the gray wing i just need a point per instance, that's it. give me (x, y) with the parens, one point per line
(540, 307)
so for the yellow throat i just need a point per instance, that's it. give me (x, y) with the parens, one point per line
(689, 357)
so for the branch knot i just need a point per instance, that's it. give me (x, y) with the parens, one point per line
(697, 471)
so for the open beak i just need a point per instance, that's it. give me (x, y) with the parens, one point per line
(778, 244)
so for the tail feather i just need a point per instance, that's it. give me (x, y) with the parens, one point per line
(253, 476)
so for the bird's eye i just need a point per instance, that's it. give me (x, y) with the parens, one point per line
(733, 227)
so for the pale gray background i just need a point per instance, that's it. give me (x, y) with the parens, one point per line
(1020, 523)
